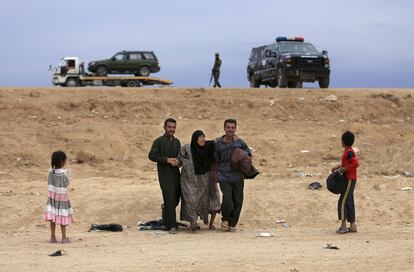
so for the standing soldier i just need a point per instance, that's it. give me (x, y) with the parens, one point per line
(216, 71)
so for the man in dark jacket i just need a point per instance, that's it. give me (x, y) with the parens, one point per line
(164, 152)
(231, 181)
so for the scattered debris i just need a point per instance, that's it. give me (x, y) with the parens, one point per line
(315, 186)
(391, 177)
(59, 252)
(285, 225)
(331, 246)
(280, 221)
(407, 188)
(304, 151)
(330, 98)
(265, 234)
(407, 174)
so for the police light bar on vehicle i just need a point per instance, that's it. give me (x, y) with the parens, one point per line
(290, 39)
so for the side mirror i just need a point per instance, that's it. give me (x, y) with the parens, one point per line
(50, 67)
(325, 53)
(113, 59)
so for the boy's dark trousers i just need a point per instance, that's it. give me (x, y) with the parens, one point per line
(171, 195)
(346, 205)
(232, 201)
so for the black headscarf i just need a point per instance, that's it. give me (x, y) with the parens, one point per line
(203, 156)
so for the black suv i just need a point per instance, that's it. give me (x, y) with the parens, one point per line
(139, 63)
(288, 63)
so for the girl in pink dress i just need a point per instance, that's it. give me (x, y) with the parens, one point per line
(58, 208)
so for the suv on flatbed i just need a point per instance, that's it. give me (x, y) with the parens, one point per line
(139, 63)
(288, 63)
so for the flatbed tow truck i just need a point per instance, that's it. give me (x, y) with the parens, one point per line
(71, 73)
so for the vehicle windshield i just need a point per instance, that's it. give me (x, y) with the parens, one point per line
(63, 63)
(296, 47)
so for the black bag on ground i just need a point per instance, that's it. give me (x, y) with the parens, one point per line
(336, 182)
(106, 227)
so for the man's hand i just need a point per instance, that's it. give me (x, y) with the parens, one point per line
(172, 161)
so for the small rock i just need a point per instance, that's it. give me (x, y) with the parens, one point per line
(407, 174)
(264, 234)
(331, 246)
(407, 189)
(59, 252)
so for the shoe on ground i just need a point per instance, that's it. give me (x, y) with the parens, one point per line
(194, 227)
(225, 226)
(232, 229)
(173, 230)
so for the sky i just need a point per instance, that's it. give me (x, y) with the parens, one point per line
(370, 43)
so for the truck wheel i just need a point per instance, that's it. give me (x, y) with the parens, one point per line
(253, 82)
(72, 82)
(324, 82)
(144, 71)
(132, 83)
(101, 70)
(281, 79)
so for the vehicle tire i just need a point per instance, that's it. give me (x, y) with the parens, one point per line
(281, 78)
(292, 85)
(144, 71)
(253, 82)
(132, 84)
(324, 82)
(273, 84)
(101, 70)
(72, 82)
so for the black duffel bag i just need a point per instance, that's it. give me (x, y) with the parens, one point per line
(336, 182)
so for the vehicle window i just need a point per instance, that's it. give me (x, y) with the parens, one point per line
(301, 48)
(135, 56)
(149, 56)
(71, 64)
(119, 57)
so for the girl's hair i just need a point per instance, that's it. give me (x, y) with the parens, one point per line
(58, 159)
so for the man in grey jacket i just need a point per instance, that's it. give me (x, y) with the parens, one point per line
(231, 182)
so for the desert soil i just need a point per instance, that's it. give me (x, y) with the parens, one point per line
(294, 135)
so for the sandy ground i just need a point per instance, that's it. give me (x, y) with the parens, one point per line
(295, 138)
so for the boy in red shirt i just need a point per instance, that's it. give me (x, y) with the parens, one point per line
(346, 206)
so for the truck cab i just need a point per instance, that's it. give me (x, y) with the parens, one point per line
(67, 72)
